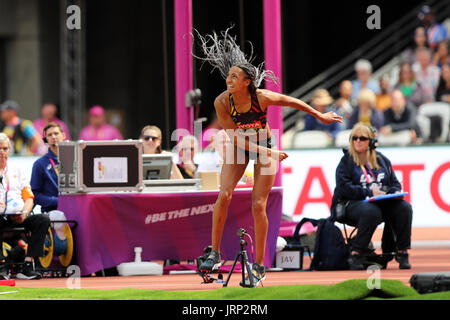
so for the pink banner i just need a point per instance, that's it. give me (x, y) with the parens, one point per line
(167, 226)
(273, 61)
(183, 62)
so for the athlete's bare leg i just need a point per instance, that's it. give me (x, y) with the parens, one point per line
(263, 182)
(230, 176)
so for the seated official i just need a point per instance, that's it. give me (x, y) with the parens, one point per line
(16, 198)
(151, 137)
(362, 173)
(187, 149)
(44, 176)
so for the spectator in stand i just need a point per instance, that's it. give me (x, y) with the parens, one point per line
(441, 56)
(436, 32)
(363, 70)
(400, 116)
(24, 137)
(407, 84)
(426, 74)
(49, 113)
(443, 90)
(420, 41)
(384, 97)
(97, 128)
(322, 101)
(151, 137)
(366, 112)
(344, 103)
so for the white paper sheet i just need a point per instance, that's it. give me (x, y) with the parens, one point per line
(110, 170)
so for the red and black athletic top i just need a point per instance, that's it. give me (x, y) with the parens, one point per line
(254, 119)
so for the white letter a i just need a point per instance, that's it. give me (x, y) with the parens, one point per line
(374, 21)
(74, 20)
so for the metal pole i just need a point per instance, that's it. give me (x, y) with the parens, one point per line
(166, 77)
(72, 68)
(242, 24)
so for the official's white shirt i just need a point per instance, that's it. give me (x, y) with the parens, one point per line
(14, 182)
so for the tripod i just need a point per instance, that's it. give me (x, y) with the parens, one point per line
(242, 254)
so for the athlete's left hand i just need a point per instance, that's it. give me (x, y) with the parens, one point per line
(330, 117)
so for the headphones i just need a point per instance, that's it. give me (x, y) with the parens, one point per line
(373, 142)
(44, 138)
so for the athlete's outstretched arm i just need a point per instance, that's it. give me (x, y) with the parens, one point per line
(268, 98)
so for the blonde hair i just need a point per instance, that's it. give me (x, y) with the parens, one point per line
(158, 132)
(188, 141)
(367, 95)
(366, 131)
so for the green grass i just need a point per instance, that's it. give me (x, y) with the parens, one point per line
(347, 290)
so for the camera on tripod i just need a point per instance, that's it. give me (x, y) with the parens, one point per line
(241, 257)
(241, 232)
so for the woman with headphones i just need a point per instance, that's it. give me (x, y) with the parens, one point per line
(363, 173)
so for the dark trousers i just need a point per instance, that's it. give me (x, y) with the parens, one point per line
(366, 216)
(36, 224)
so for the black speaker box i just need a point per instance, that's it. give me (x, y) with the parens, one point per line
(428, 282)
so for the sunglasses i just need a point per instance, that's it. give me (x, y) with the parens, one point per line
(362, 138)
(146, 138)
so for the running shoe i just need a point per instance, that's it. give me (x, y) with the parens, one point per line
(212, 262)
(354, 262)
(403, 261)
(27, 272)
(258, 274)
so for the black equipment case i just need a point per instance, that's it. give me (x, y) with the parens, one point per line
(428, 282)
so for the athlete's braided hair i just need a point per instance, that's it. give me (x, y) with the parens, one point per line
(222, 53)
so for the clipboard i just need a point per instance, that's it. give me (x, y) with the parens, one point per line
(5, 214)
(386, 196)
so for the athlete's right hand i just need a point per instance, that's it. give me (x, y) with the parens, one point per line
(278, 155)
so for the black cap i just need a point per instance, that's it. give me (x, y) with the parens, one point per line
(10, 105)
